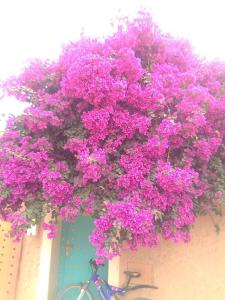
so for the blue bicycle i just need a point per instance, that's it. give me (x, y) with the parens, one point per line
(82, 292)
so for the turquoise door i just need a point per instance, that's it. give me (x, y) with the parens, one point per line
(75, 253)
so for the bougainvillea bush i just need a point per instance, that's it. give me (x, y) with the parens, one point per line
(129, 130)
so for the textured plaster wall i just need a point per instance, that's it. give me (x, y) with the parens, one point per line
(9, 263)
(194, 271)
(27, 282)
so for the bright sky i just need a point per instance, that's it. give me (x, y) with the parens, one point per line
(38, 28)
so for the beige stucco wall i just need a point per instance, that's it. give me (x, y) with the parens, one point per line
(194, 271)
(9, 263)
(38, 267)
(27, 281)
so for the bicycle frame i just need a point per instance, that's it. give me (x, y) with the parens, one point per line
(99, 283)
(109, 289)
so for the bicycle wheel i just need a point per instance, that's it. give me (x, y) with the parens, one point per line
(71, 292)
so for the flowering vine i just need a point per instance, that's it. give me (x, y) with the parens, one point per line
(129, 130)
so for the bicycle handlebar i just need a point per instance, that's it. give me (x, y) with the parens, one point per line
(94, 265)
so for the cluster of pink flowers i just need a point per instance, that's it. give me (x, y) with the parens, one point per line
(129, 130)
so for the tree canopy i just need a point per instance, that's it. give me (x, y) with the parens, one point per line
(129, 130)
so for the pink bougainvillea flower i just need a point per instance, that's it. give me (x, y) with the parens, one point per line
(129, 130)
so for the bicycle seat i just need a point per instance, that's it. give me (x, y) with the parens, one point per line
(132, 274)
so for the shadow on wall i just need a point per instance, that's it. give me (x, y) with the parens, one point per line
(193, 271)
